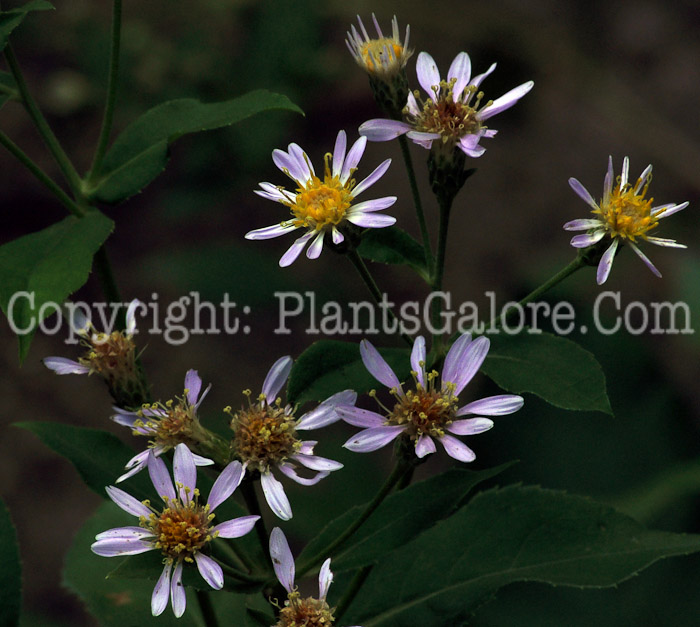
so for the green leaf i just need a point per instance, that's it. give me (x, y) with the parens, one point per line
(11, 571)
(395, 246)
(98, 456)
(554, 368)
(48, 265)
(115, 602)
(9, 20)
(504, 536)
(8, 89)
(399, 519)
(140, 153)
(330, 366)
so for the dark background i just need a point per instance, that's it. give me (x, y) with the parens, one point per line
(611, 78)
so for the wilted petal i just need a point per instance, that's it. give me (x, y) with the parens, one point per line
(470, 426)
(377, 367)
(282, 559)
(288, 470)
(211, 572)
(275, 496)
(225, 484)
(424, 446)
(374, 438)
(276, 378)
(159, 599)
(456, 449)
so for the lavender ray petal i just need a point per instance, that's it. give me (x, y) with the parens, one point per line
(339, 153)
(211, 572)
(605, 264)
(360, 417)
(159, 598)
(315, 462)
(236, 527)
(377, 366)
(289, 471)
(456, 449)
(295, 249)
(373, 438)
(270, 232)
(645, 259)
(470, 426)
(160, 477)
(465, 365)
(505, 101)
(62, 365)
(587, 239)
(370, 220)
(582, 192)
(275, 496)
(276, 378)
(353, 158)
(461, 69)
(428, 74)
(424, 446)
(184, 472)
(225, 484)
(325, 579)
(381, 130)
(418, 359)
(316, 247)
(193, 385)
(500, 405)
(114, 547)
(376, 174)
(177, 592)
(127, 502)
(282, 559)
(583, 224)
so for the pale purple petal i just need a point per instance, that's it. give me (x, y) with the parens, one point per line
(500, 405)
(225, 484)
(282, 559)
(127, 502)
(289, 471)
(127, 419)
(316, 246)
(662, 241)
(607, 183)
(646, 174)
(582, 224)
(463, 362)
(370, 220)
(338, 237)
(480, 78)
(424, 446)
(314, 462)
(325, 579)
(376, 174)
(470, 426)
(422, 137)
(62, 365)
(461, 69)
(605, 264)
(184, 472)
(193, 385)
(289, 166)
(381, 130)
(624, 176)
(236, 527)
(582, 192)
(325, 414)
(79, 320)
(457, 449)
(211, 572)
(339, 153)
(178, 598)
(293, 252)
(376, 204)
(667, 210)
(131, 316)
(377, 367)
(471, 151)
(114, 547)
(307, 447)
(418, 359)
(428, 74)
(159, 599)
(504, 102)
(302, 159)
(359, 417)
(271, 191)
(160, 477)
(125, 532)
(276, 378)
(587, 239)
(645, 259)
(275, 496)
(135, 465)
(412, 105)
(374, 438)
(202, 461)
(269, 232)
(354, 155)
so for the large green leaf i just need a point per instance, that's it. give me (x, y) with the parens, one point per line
(11, 571)
(393, 245)
(330, 366)
(140, 153)
(9, 20)
(504, 536)
(399, 519)
(98, 456)
(49, 266)
(554, 368)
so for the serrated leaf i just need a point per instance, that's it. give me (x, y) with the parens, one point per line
(395, 246)
(11, 571)
(330, 366)
(554, 368)
(504, 536)
(50, 264)
(399, 519)
(98, 456)
(9, 20)
(140, 153)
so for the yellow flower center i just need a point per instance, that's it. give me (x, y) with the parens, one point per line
(308, 612)
(452, 120)
(425, 411)
(377, 57)
(628, 213)
(181, 529)
(111, 355)
(320, 204)
(264, 435)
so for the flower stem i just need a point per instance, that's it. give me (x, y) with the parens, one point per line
(42, 125)
(565, 272)
(207, 609)
(251, 501)
(436, 283)
(397, 473)
(372, 286)
(351, 592)
(43, 178)
(403, 142)
(111, 91)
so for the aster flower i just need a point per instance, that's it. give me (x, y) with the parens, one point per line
(181, 529)
(383, 57)
(321, 207)
(452, 113)
(168, 424)
(298, 611)
(265, 437)
(624, 214)
(429, 412)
